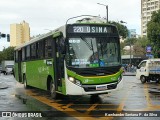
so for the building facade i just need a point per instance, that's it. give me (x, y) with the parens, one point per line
(147, 7)
(19, 33)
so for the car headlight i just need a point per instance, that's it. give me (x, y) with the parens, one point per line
(73, 80)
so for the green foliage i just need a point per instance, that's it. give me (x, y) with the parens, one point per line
(122, 29)
(7, 54)
(153, 32)
(127, 42)
(139, 46)
(130, 41)
(122, 45)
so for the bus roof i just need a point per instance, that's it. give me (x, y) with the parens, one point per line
(60, 29)
(40, 37)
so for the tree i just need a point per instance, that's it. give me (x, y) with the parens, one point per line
(7, 54)
(122, 29)
(153, 32)
(128, 42)
(139, 47)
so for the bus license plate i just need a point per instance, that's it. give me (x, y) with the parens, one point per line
(101, 87)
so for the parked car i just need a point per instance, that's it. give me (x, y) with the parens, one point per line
(9, 69)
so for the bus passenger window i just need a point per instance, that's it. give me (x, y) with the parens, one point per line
(16, 56)
(23, 54)
(33, 49)
(40, 49)
(28, 52)
(48, 48)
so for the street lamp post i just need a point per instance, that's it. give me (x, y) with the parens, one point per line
(130, 51)
(130, 61)
(106, 11)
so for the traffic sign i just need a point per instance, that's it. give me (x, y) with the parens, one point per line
(148, 49)
(149, 55)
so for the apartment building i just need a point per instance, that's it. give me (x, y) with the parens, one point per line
(19, 33)
(147, 7)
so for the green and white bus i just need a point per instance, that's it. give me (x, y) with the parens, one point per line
(81, 58)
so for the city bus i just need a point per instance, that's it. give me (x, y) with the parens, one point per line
(82, 58)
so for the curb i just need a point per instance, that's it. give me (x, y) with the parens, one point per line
(129, 74)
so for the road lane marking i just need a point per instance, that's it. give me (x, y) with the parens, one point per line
(66, 108)
(57, 106)
(122, 104)
(149, 104)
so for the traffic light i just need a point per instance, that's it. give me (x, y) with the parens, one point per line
(8, 38)
(5, 35)
(2, 35)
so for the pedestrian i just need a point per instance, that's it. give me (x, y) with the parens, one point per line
(132, 68)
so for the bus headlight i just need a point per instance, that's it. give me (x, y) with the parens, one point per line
(73, 80)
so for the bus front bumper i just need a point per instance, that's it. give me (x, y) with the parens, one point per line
(72, 89)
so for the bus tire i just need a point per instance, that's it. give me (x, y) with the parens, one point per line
(143, 79)
(25, 82)
(53, 90)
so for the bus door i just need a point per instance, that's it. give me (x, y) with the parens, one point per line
(58, 61)
(19, 65)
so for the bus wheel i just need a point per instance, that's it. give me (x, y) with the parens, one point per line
(143, 79)
(53, 90)
(25, 82)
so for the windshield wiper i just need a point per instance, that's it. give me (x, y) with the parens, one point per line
(87, 43)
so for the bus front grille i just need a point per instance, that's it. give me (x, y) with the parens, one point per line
(90, 88)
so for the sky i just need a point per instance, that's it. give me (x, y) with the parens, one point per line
(45, 15)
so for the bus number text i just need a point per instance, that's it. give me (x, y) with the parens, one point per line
(78, 29)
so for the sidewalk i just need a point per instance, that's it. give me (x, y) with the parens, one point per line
(129, 74)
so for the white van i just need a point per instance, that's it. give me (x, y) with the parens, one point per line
(7, 66)
(149, 70)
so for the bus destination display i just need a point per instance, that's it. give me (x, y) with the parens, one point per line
(90, 29)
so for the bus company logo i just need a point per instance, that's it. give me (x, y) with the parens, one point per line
(113, 78)
(86, 81)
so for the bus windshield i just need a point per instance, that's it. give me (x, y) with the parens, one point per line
(87, 52)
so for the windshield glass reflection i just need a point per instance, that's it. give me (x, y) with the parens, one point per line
(86, 52)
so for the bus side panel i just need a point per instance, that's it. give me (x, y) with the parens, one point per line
(16, 72)
(37, 73)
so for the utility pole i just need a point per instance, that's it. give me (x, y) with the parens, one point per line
(106, 11)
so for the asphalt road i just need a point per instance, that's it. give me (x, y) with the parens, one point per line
(134, 101)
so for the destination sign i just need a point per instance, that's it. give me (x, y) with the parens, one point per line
(91, 29)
